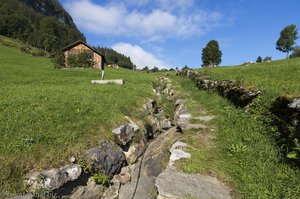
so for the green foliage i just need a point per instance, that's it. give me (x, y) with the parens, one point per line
(23, 47)
(113, 57)
(287, 39)
(211, 54)
(87, 168)
(44, 24)
(48, 115)
(259, 59)
(58, 59)
(154, 69)
(146, 69)
(81, 60)
(295, 52)
(185, 67)
(101, 178)
(267, 58)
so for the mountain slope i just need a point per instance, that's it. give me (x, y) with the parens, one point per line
(40, 23)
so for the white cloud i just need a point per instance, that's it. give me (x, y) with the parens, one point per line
(163, 20)
(139, 56)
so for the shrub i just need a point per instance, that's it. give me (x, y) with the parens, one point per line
(82, 60)
(100, 178)
(58, 59)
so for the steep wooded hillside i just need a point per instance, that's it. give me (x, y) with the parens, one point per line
(41, 23)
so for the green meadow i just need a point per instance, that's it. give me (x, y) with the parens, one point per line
(47, 115)
(274, 78)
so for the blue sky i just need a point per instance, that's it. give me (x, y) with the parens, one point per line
(172, 33)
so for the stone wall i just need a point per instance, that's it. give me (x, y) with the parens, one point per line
(237, 93)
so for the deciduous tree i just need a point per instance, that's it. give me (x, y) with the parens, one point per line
(287, 39)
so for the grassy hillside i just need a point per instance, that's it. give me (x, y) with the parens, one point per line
(47, 115)
(247, 153)
(243, 154)
(273, 78)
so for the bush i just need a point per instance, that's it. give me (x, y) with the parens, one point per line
(58, 59)
(81, 60)
(267, 58)
(39, 53)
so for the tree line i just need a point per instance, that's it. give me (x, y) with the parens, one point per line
(113, 57)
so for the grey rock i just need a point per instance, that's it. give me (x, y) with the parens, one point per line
(205, 118)
(156, 154)
(107, 157)
(152, 127)
(181, 109)
(185, 116)
(72, 159)
(123, 134)
(177, 152)
(112, 192)
(174, 184)
(184, 125)
(54, 178)
(145, 189)
(124, 177)
(136, 149)
(295, 104)
(179, 101)
(91, 191)
(166, 124)
(150, 106)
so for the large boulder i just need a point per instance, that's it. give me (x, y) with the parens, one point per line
(175, 184)
(54, 178)
(107, 157)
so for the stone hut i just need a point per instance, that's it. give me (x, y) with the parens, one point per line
(80, 47)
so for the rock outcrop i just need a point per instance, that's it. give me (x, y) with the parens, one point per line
(107, 158)
(173, 184)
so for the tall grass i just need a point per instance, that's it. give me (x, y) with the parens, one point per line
(47, 115)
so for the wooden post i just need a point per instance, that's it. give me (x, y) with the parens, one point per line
(102, 69)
